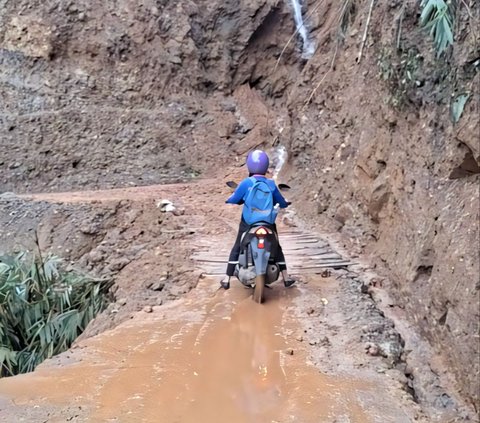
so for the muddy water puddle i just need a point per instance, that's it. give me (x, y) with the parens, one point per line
(212, 357)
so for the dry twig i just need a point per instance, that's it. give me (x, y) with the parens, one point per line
(323, 78)
(400, 24)
(365, 34)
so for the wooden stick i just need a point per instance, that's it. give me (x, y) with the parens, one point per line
(400, 23)
(318, 86)
(365, 34)
(212, 261)
(322, 266)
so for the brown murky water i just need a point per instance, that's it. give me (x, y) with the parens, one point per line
(212, 357)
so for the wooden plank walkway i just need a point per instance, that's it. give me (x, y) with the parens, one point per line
(305, 253)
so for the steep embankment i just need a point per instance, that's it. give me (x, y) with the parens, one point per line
(104, 94)
(116, 93)
(378, 156)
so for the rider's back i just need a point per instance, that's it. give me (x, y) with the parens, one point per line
(259, 196)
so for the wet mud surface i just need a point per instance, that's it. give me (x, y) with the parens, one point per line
(213, 356)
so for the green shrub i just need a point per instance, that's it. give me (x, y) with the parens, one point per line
(43, 309)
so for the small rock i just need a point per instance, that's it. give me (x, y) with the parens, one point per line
(373, 350)
(289, 351)
(312, 342)
(122, 301)
(90, 229)
(325, 341)
(96, 256)
(444, 401)
(376, 282)
(299, 338)
(165, 206)
(157, 286)
(118, 264)
(397, 375)
(288, 221)
(147, 309)
(228, 106)
(8, 196)
(344, 213)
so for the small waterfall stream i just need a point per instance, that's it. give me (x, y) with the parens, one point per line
(308, 45)
(279, 157)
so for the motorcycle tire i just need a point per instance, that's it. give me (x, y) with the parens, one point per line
(259, 289)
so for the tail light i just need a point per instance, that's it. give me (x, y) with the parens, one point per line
(260, 233)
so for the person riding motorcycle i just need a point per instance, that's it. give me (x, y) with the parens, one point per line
(257, 164)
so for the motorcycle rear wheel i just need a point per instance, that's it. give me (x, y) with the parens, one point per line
(259, 289)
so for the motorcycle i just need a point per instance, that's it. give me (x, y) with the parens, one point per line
(257, 267)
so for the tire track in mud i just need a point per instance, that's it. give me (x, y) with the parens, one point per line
(218, 356)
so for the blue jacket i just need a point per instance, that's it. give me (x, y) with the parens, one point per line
(238, 197)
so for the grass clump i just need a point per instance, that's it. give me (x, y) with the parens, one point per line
(399, 70)
(43, 309)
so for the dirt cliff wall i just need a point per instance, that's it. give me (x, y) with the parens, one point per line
(377, 156)
(105, 94)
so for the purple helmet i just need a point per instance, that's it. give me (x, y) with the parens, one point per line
(257, 162)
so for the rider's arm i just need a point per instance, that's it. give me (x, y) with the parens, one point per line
(239, 194)
(278, 198)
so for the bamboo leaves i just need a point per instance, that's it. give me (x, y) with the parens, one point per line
(437, 18)
(42, 310)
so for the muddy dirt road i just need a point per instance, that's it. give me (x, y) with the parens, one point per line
(212, 357)
(318, 352)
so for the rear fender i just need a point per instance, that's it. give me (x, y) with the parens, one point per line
(260, 257)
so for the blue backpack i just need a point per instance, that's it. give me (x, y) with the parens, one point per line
(258, 206)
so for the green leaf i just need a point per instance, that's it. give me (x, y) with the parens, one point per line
(458, 105)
